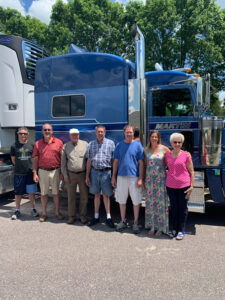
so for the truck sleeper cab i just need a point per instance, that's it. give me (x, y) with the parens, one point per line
(82, 90)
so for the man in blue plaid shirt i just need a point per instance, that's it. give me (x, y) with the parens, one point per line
(98, 173)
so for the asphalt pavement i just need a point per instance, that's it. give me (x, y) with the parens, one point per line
(54, 260)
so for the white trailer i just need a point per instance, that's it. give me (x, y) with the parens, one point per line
(18, 59)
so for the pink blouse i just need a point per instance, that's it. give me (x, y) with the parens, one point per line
(178, 176)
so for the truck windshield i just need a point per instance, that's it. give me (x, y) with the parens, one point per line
(172, 102)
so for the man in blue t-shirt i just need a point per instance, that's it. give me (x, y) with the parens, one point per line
(128, 162)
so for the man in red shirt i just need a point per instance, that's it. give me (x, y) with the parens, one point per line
(46, 168)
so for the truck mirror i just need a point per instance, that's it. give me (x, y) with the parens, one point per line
(195, 111)
(207, 90)
(199, 91)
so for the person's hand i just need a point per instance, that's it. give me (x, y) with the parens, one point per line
(67, 180)
(87, 181)
(113, 182)
(61, 177)
(35, 178)
(188, 192)
(139, 183)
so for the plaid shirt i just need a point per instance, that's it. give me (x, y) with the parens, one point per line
(101, 154)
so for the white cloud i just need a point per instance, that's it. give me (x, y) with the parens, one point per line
(222, 95)
(13, 4)
(41, 9)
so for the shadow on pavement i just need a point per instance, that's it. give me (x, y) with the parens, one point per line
(214, 215)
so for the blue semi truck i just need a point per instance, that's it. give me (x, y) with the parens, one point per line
(82, 89)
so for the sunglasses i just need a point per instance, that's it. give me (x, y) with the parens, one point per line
(23, 133)
(47, 129)
(176, 142)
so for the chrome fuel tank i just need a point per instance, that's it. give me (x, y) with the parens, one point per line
(211, 141)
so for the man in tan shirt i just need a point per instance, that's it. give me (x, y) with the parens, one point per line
(73, 166)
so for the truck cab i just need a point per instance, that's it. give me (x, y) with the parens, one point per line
(178, 102)
(18, 59)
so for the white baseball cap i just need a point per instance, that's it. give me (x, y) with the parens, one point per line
(74, 131)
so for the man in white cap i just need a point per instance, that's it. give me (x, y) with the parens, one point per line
(73, 166)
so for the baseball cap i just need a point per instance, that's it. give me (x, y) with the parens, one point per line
(74, 130)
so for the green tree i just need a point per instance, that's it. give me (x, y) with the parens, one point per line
(158, 21)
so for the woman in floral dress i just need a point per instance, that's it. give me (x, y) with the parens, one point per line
(156, 209)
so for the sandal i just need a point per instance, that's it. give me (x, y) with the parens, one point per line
(158, 233)
(43, 218)
(172, 234)
(151, 232)
(180, 236)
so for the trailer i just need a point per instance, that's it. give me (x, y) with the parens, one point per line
(18, 59)
(82, 89)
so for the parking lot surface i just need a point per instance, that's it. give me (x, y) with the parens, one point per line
(54, 260)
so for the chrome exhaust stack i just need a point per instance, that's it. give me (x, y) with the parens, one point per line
(137, 87)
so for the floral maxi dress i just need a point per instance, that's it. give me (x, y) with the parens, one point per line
(156, 209)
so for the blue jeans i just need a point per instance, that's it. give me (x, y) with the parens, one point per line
(100, 182)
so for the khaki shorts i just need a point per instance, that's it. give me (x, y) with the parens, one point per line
(128, 185)
(47, 179)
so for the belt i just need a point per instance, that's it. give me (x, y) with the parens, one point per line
(101, 170)
(51, 169)
(77, 172)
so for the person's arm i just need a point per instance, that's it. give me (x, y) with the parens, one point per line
(190, 168)
(145, 164)
(165, 149)
(35, 167)
(64, 165)
(13, 155)
(88, 171)
(13, 159)
(115, 169)
(61, 177)
(141, 173)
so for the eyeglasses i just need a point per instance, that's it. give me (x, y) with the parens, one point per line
(23, 133)
(47, 129)
(176, 142)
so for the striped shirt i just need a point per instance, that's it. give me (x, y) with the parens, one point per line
(101, 154)
(49, 155)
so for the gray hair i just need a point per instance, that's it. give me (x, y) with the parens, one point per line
(22, 128)
(176, 135)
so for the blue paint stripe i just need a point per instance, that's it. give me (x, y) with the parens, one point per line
(81, 127)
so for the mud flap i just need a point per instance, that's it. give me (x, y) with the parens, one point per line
(215, 185)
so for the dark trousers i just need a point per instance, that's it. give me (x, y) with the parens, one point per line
(179, 210)
(77, 179)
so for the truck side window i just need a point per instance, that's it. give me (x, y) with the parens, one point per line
(68, 106)
(172, 102)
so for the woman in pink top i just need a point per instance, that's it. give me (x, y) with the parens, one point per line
(179, 183)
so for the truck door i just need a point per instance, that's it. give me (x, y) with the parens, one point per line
(171, 109)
